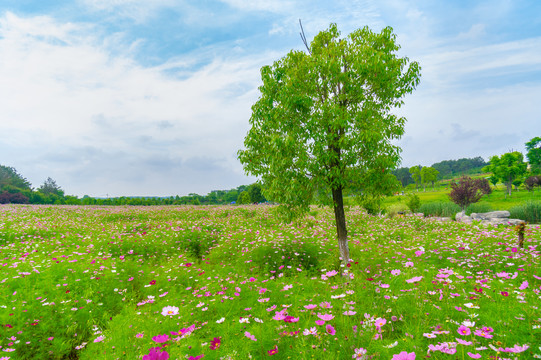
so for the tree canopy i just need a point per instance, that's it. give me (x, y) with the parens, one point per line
(323, 123)
(507, 168)
(534, 154)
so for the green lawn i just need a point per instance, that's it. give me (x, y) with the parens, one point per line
(498, 200)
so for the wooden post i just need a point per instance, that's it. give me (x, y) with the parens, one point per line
(520, 230)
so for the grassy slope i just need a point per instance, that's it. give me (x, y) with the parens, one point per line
(497, 200)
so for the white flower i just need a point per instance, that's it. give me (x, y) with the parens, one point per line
(220, 320)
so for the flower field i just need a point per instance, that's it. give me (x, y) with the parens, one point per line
(235, 283)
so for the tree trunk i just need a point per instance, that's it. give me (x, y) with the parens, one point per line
(340, 218)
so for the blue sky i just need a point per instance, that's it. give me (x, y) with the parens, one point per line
(138, 97)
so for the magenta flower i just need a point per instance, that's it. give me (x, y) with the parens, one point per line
(404, 356)
(320, 322)
(330, 330)
(474, 356)
(156, 354)
(196, 357)
(161, 338)
(273, 351)
(483, 334)
(291, 319)
(464, 330)
(380, 322)
(215, 343)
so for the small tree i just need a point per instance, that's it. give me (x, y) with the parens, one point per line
(429, 175)
(415, 172)
(244, 198)
(534, 155)
(50, 187)
(465, 192)
(324, 123)
(531, 182)
(507, 168)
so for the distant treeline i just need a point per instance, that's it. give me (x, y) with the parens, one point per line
(447, 169)
(15, 189)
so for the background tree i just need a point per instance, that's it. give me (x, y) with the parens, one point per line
(244, 198)
(507, 168)
(50, 187)
(415, 172)
(256, 195)
(464, 192)
(10, 177)
(323, 122)
(429, 175)
(534, 155)
(403, 175)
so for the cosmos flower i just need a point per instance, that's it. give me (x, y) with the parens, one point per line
(170, 310)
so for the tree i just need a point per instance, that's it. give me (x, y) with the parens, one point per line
(244, 198)
(465, 192)
(415, 172)
(49, 187)
(10, 177)
(429, 175)
(255, 193)
(507, 168)
(323, 122)
(534, 155)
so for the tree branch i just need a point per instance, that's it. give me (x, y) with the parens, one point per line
(303, 37)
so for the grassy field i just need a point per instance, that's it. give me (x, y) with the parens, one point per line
(498, 200)
(236, 283)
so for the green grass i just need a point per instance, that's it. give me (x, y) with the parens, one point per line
(92, 283)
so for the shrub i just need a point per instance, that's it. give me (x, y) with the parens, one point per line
(483, 185)
(532, 182)
(530, 211)
(372, 204)
(394, 209)
(16, 198)
(413, 202)
(440, 208)
(465, 192)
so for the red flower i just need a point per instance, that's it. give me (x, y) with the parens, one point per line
(273, 351)
(152, 282)
(188, 264)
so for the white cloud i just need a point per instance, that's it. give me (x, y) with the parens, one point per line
(70, 92)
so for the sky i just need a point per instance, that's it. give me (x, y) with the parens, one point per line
(153, 98)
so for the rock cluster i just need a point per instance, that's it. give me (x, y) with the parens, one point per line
(488, 218)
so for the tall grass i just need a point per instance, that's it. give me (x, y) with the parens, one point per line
(439, 208)
(479, 208)
(529, 211)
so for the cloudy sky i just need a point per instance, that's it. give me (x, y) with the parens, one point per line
(153, 97)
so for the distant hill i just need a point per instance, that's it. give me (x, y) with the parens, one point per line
(447, 169)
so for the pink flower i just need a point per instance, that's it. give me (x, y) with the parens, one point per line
(291, 319)
(395, 272)
(170, 310)
(464, 330)
(156, 354)
(310, 306)
(99, 339)
(161, 338)
(312, 331)
(414, 279)
(524, 285)
(326, 317)
(196, 357)
(380, 322)
(482, 333)
(320, 322)
(139, 336)
(360, 354)
(474, 356)
(250, 336)
(463, 342)
(330, 330)
(404, 356)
